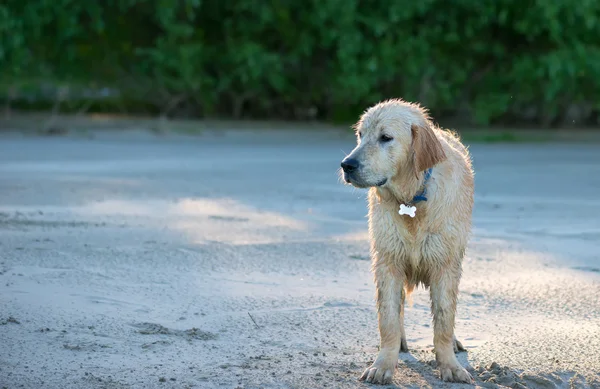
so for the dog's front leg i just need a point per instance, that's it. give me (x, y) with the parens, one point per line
(389, 297)
(444, 292)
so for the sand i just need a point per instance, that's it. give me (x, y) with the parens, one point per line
(236, 259)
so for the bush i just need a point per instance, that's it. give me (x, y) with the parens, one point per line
(502, 61)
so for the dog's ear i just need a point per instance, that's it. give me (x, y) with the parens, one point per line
(426, 147)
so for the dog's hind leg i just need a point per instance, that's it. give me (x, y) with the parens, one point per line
(458, 346)
(444, 294)
(403, 344)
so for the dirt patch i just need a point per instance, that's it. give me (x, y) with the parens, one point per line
(153, 345)
(10, 320)
(157, 329)
(496, 376)
(85, 346)
(103, 381)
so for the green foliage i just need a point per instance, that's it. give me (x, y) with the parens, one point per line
(485, 61)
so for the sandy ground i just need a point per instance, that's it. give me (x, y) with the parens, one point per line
(238, 260)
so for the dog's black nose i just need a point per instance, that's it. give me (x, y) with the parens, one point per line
(349, 165)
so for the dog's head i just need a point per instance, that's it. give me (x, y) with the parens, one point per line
(394, 137)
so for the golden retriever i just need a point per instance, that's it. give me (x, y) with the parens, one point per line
(406, 161)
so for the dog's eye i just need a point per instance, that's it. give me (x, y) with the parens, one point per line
(385, 138)
(360, 134)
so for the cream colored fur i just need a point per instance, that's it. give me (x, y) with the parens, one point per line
(426, 250)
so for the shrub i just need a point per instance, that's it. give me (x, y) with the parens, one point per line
(502, 61)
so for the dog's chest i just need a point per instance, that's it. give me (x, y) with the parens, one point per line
(394, 232)
(401, 238)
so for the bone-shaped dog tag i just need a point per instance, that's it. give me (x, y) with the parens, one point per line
(407, 210)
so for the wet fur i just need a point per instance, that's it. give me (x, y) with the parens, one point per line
(426, 250)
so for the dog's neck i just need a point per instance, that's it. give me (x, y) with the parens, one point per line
(404, 187)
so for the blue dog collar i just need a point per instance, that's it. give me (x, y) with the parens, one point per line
(422, 196)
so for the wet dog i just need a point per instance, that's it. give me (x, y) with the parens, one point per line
(420, 182)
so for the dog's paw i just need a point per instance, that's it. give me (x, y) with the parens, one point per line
(455, 373)
(458, 347)
(381, 371)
